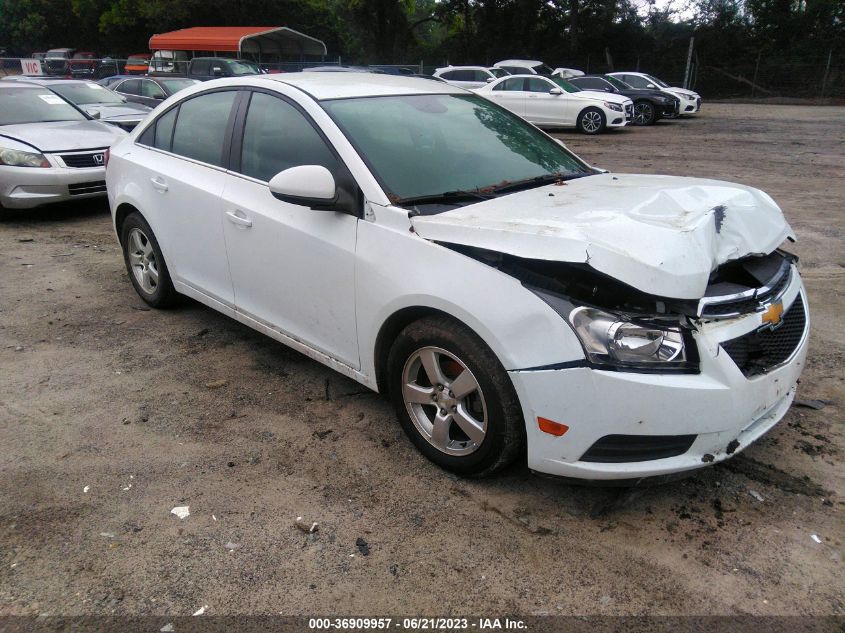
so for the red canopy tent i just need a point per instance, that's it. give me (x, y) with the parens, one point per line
(255, 40)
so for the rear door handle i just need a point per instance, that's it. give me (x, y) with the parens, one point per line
(159, 183)
(238, 217)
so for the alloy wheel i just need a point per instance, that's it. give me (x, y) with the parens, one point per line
(591, 122)
(444, 401)
(142, 259)
(643, 113)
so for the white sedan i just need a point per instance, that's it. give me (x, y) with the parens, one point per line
(509, 298)
(555, 102)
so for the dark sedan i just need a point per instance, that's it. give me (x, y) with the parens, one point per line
(149, 91)
(649, 105)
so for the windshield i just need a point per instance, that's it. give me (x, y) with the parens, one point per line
(660, 83)
(175, 85)
(542, 69)
(568, 87)
(86, 94)
(498, 72)
(425, 145)
(57, 55)
(137, 61)
(29, 105)
(244, 68)
(620, 85)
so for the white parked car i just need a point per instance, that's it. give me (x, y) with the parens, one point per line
(567, 73)
(555, 102)
(690, 100)
(525, 67)
(433, 246)
(469, 76)
(49, 150)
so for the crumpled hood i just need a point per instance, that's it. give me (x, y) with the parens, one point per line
(64, 135)
(689, 94)
(660, 234)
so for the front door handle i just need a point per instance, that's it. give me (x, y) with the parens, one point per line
(159, 183)
(237, 217)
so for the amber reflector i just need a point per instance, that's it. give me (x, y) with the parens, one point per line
(551, 427)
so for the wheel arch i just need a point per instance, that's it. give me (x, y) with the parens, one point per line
(120, 214)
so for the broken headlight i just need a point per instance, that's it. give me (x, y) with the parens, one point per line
(608, 339)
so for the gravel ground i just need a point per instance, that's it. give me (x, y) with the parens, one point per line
(112, 414)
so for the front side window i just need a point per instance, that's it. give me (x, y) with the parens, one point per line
(618, 83)
(449, 74)
(542, 69)
(565, 85)
(535, 84)
(658, 82)
(151, 90)
(243, 68)
(277, 136)
(175, 85)
(200, 67)
(130, 87)
(426, 145)
(512, 85)
(33, 105)
(498, 72)
(635, 80)
(201, 127)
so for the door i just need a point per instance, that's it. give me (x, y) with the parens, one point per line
(293, 268)
(510, 94)
(544, 108)
(184, 177)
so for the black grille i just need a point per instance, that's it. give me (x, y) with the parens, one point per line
(614, 449)
(97, 186)
(757, 352)
(750, 304)
(85, 160)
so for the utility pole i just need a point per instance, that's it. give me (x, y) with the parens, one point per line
(689, 62)
(756, 71)
(826, 72)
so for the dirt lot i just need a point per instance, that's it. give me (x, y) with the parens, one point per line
(112, 414)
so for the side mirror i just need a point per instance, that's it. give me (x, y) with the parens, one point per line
(555, 91)
(94, 114)
(306, 185)
(160, 97)
(650, 86)
(490, 80)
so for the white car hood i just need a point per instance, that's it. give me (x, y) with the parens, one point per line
(64, 135)
(661, 234)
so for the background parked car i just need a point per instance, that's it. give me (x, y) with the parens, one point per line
(149, 91)
(469, 76)
(524, 67)
(554, 102)
(396, 70)
(342, 69)
(50, 151)
(690, 101)
(39, 56)
(137, 64)
(56, 61)
(649, 105)
(206, 68)
(96, 101)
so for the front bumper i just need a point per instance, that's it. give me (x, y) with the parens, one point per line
(28, 187)
(723, 409)
(690, 106)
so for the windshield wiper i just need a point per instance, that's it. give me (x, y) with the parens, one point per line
(447, 197)
(530, 183)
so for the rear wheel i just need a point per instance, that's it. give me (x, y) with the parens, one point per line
(644, 113)
(453, 398)
(591, 121)
(145, 263)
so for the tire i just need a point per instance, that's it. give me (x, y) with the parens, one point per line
(145, 263)
(591, 121)
(644, 113)
(483, 401)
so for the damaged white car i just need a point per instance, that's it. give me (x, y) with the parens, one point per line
(512, 300)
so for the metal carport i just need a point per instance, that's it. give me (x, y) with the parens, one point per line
(255, 40)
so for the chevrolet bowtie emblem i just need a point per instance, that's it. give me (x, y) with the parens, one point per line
(773, 316)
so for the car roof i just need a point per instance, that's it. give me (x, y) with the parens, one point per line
(464, 68)
(19, 85)
(327, 85)
(45, 81)
(518, 62)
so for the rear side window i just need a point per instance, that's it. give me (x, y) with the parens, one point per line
(200, 67)
(164, 130)
(589, 83)
(201, 127)
(130, 87)
(277, 136)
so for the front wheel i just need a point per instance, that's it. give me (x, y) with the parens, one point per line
(145, 263)
(591, 121)
(453, 398)
(644, 113)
